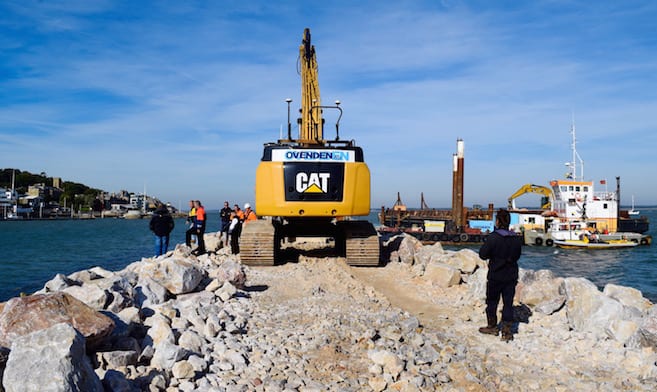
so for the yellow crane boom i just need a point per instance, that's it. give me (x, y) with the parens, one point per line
(310, 129)
(532, 188)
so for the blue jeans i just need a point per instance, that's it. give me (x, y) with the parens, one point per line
(161, 244)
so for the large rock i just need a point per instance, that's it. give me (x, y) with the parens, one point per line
(149, 292)
(646, 335)
(177, 275)
(407, 248)
(541, 291)
(90, 294)
(628, 296)
(429, 253)
(477, 284)
(51, 359)
(58, 283)
(212, 241)
(466, 260)
(442, 275)
(24, 315)
(230, 271)
(587, 309)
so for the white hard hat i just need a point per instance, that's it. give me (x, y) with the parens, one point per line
(247, 205)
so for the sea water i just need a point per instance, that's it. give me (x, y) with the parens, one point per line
(33, 252)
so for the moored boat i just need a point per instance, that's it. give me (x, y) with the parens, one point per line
(586, 244)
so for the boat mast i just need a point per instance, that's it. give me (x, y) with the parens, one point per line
(576, 157)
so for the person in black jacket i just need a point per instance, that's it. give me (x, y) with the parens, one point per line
(225, 222)
(502, 249)
(161, 225)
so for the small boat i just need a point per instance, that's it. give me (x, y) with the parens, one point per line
(586, 244)
(133, 214)
(633, 212)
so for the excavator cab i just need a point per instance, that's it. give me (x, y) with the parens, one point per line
(310, 186)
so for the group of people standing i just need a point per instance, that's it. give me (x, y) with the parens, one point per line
(196, 220)
(232, 220)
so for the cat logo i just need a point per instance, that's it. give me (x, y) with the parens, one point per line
(312, 182)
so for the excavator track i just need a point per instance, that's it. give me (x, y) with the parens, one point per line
(257, 245)
(361, 243)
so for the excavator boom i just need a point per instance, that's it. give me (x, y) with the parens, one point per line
(311, 132)
(532, 188)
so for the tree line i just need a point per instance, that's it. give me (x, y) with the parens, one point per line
(72, 192)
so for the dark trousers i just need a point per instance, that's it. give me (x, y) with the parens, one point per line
(188, 236)
(200, 240)
(235, 243)
(495, 289)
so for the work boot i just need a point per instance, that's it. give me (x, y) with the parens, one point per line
(491, 328)
(507, 333)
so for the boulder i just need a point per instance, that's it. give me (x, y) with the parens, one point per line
(230, 271)
(24, 315)
(541, 291)
(627, 296)
(587, 309)
(58, 283)
(407, 248)
(90, 294)
(149, 292)
(442, 275)
(51, 359)
(466, 260)
(477, 284)
(428, 254)
(212, 242)
(646, 334)
(179, 276)
(621, 330)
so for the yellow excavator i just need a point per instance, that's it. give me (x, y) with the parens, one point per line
(311, 186)
(531, 188)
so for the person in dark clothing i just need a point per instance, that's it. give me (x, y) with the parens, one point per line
(502, 249)
(191, 217)
(234, 230)
(224, 214)
(161, 225)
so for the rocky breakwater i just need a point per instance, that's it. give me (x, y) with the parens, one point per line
(186, 323)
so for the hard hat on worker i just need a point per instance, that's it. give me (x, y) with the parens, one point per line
(247, 205)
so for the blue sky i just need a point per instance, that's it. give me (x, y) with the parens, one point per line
(178, 97)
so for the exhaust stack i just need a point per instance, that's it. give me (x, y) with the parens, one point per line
(457, 186)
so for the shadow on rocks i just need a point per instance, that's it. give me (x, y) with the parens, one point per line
(521, 314)
(256, 288)
(388, 247)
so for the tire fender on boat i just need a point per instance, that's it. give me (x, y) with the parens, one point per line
(463, 237)
(549, 242)
(644, 241)
(538, 241)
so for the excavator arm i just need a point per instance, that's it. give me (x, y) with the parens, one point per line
(532, 188)
(311, 125)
